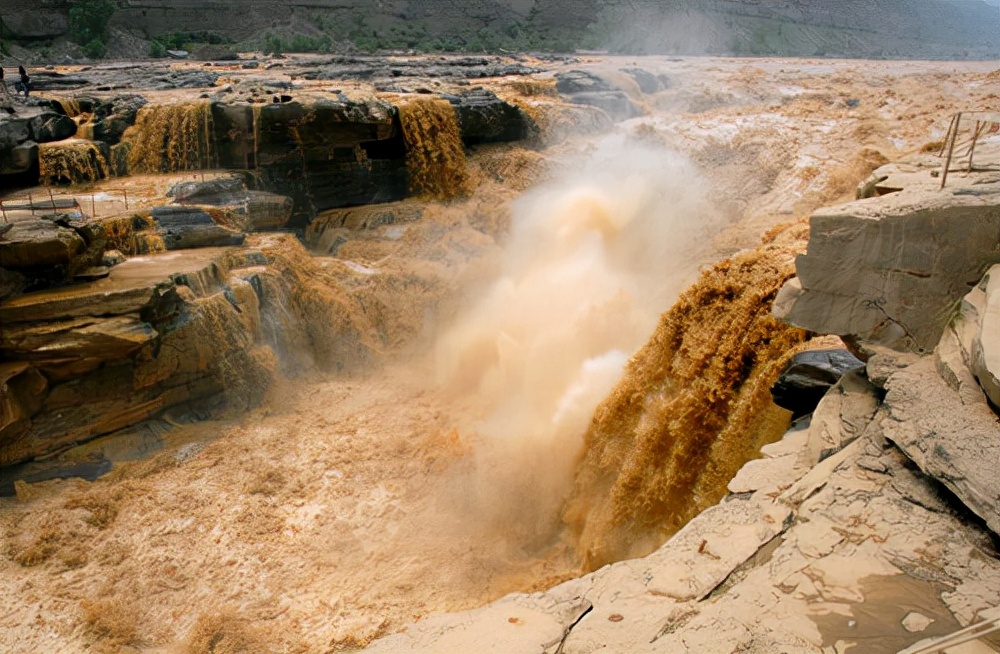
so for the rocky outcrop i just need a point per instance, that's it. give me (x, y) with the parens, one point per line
(869, 524)
(110, 118)
(21, 133)
(42, 250)
(586, 88)
(331, 229)
(160, 330)
(485, 118)
(184, 226)
(890, 270)
(971, 340)
(814, 547)
(808, 376)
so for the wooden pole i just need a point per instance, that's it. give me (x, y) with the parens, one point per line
(972, 148)
(93, 206)
(125, 193)
(31, 204)
(951, 148)
(944, 144)
(52, 200)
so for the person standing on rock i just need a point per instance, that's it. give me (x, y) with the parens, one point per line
(25, 84)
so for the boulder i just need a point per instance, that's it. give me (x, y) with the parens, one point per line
(160, 330)
(585, 88)
(183, 226)
(969, 354)
(39, 242)
(248, 211)
(485, 118)
(950, 437)
(219, 190)
(808, 376)
(20, 159)
(13, 130)
(51, 126)
(891, 270)
(50, 80)
(647, 81)
(110, 118)
(985, 359)
(581, 81)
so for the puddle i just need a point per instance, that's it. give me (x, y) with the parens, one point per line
(875, 625)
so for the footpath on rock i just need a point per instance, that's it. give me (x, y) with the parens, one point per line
(292, 357)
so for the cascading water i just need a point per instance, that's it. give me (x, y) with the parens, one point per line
(592, 259)
(74, 161)
(435, 156)
(693, 406)
(170, 138)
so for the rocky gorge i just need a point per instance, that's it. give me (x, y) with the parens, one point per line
(190, 260)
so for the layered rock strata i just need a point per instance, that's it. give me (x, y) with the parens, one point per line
(890, 270)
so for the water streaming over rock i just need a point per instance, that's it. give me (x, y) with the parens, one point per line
(133, 234)
(171, 138)
(693, 406)
(73, 161)
(70, 106)
(592, 259)
(434, 152)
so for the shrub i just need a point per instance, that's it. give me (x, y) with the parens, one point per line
(273, 45)
(88, 20)
(157, 50)
(95, 49)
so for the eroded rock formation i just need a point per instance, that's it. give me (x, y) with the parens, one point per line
(890, 270)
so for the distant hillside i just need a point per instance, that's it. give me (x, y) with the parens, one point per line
(842, 28)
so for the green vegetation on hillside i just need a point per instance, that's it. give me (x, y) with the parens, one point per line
(88, 25)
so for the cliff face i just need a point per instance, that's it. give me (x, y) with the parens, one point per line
(861, 28)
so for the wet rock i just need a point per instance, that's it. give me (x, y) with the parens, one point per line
(352, 155)
(111, 118)
(889, 270)
(12, 284)
(581, 81)
(184, 227)
(39, 242)
(582, 87)
(330, 229)
(92, 358)
(213, 191)
(249, 211)
(808, 376)
(485, 118)
(94, 338)
(49, 127)
(22, 391)
(615, 103)
(13, 130)
(112, 258)
(648, 82)
(47, 80)
(22, 158)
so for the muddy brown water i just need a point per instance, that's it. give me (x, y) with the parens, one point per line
(346, 506)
